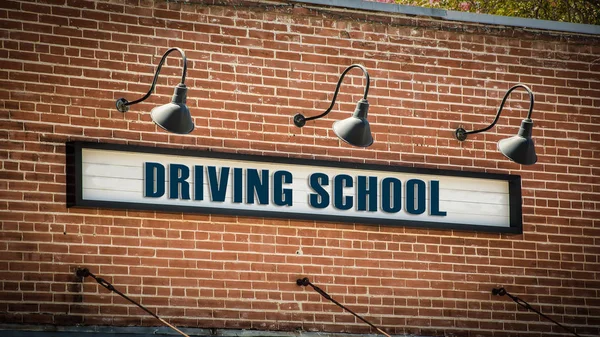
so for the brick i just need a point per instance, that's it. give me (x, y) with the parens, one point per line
(249, 71)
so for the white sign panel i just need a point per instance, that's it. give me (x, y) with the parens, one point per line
(119, 176)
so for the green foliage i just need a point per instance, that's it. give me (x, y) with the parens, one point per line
(577, 11)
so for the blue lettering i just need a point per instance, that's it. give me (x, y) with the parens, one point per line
(366, 191)
(434, 194)
(238, 186)
(198, 182)
(320, 199)
(282, 196)
(154, 180)
(418, 206)
(257, 186)
(218, 187)
(339, 200)
(391, 195)
(178, 186)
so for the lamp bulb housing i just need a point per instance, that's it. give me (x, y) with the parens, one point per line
(174, 117)
(355, 130)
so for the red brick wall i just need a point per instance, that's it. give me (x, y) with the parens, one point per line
(251, 68)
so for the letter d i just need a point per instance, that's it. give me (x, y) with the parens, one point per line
(154, 180)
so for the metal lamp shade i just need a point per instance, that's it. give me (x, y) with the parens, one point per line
(520, 148)
(355, 130)
(175, 116)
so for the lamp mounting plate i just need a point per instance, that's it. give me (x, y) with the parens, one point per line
(82, 272)
(299, 120)
(460, 134)
(302, 281)
(122, 105)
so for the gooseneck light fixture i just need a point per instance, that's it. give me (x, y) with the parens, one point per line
(354, 130)
(519, 148)
(175, 116)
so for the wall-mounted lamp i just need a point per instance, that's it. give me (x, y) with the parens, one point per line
(519, 148)
(354, 130)
(175, 116)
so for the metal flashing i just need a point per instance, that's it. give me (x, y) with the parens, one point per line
(459, 16)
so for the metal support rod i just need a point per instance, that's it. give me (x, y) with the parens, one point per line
(123, 104)
(522, 303)
(85, 273)
(461, 134)
(300, 120)
(305, 282)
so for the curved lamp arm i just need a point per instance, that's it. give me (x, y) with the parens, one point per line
(123, 104)
(300, 120)
(461, 134)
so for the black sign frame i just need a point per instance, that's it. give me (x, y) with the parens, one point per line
(75, 188)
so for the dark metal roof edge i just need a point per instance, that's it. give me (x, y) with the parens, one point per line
(459, 16)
